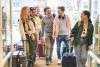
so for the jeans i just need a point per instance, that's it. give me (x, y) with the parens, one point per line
(49, 42)
(31, 55)
(59, 39)
(81, 53)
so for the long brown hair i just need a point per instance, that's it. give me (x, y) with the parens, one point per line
(23, 15)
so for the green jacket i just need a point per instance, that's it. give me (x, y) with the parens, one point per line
(77, 31)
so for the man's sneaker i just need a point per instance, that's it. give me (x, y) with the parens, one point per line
(83, 65)
(59, 61)
(47, 61)
(50, 59)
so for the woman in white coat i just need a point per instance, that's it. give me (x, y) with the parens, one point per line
(27, 31)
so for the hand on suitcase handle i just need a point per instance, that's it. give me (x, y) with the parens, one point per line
(70, 46)
(90, 47)
(71, 39)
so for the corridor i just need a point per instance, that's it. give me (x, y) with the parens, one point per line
(12, 39)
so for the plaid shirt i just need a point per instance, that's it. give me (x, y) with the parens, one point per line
(48, 24)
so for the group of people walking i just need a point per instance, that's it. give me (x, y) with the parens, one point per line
(34, 26)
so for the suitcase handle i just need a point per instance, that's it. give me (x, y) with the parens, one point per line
(40, 42)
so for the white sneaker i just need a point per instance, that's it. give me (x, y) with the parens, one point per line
(59, 61)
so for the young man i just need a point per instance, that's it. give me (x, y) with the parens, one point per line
(38, 22)
(61, 30)
(48, 29)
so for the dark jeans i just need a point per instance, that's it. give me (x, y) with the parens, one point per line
(59, 39)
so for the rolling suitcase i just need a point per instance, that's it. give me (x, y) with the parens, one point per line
(15, 59)
(68, 58)
(22, 59)
(41, 48)
(19, 59)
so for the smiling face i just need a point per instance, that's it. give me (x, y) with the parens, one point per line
(48, 11)
(27, 11)
(83, 16)
(34, 13)
(61, 10)
(37, 12)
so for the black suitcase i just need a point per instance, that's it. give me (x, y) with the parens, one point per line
(15, 59)
(19, 59)
(68, 58)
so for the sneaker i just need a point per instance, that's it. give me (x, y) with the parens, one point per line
(47, 61)
(50, 59)
(83, 65)
(59, 61)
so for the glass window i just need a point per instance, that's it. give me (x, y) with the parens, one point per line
(6, 27)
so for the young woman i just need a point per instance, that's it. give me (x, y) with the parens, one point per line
(27, 32)
(82, 38)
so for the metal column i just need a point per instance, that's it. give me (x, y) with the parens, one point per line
(10, 5)
(1, 45)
